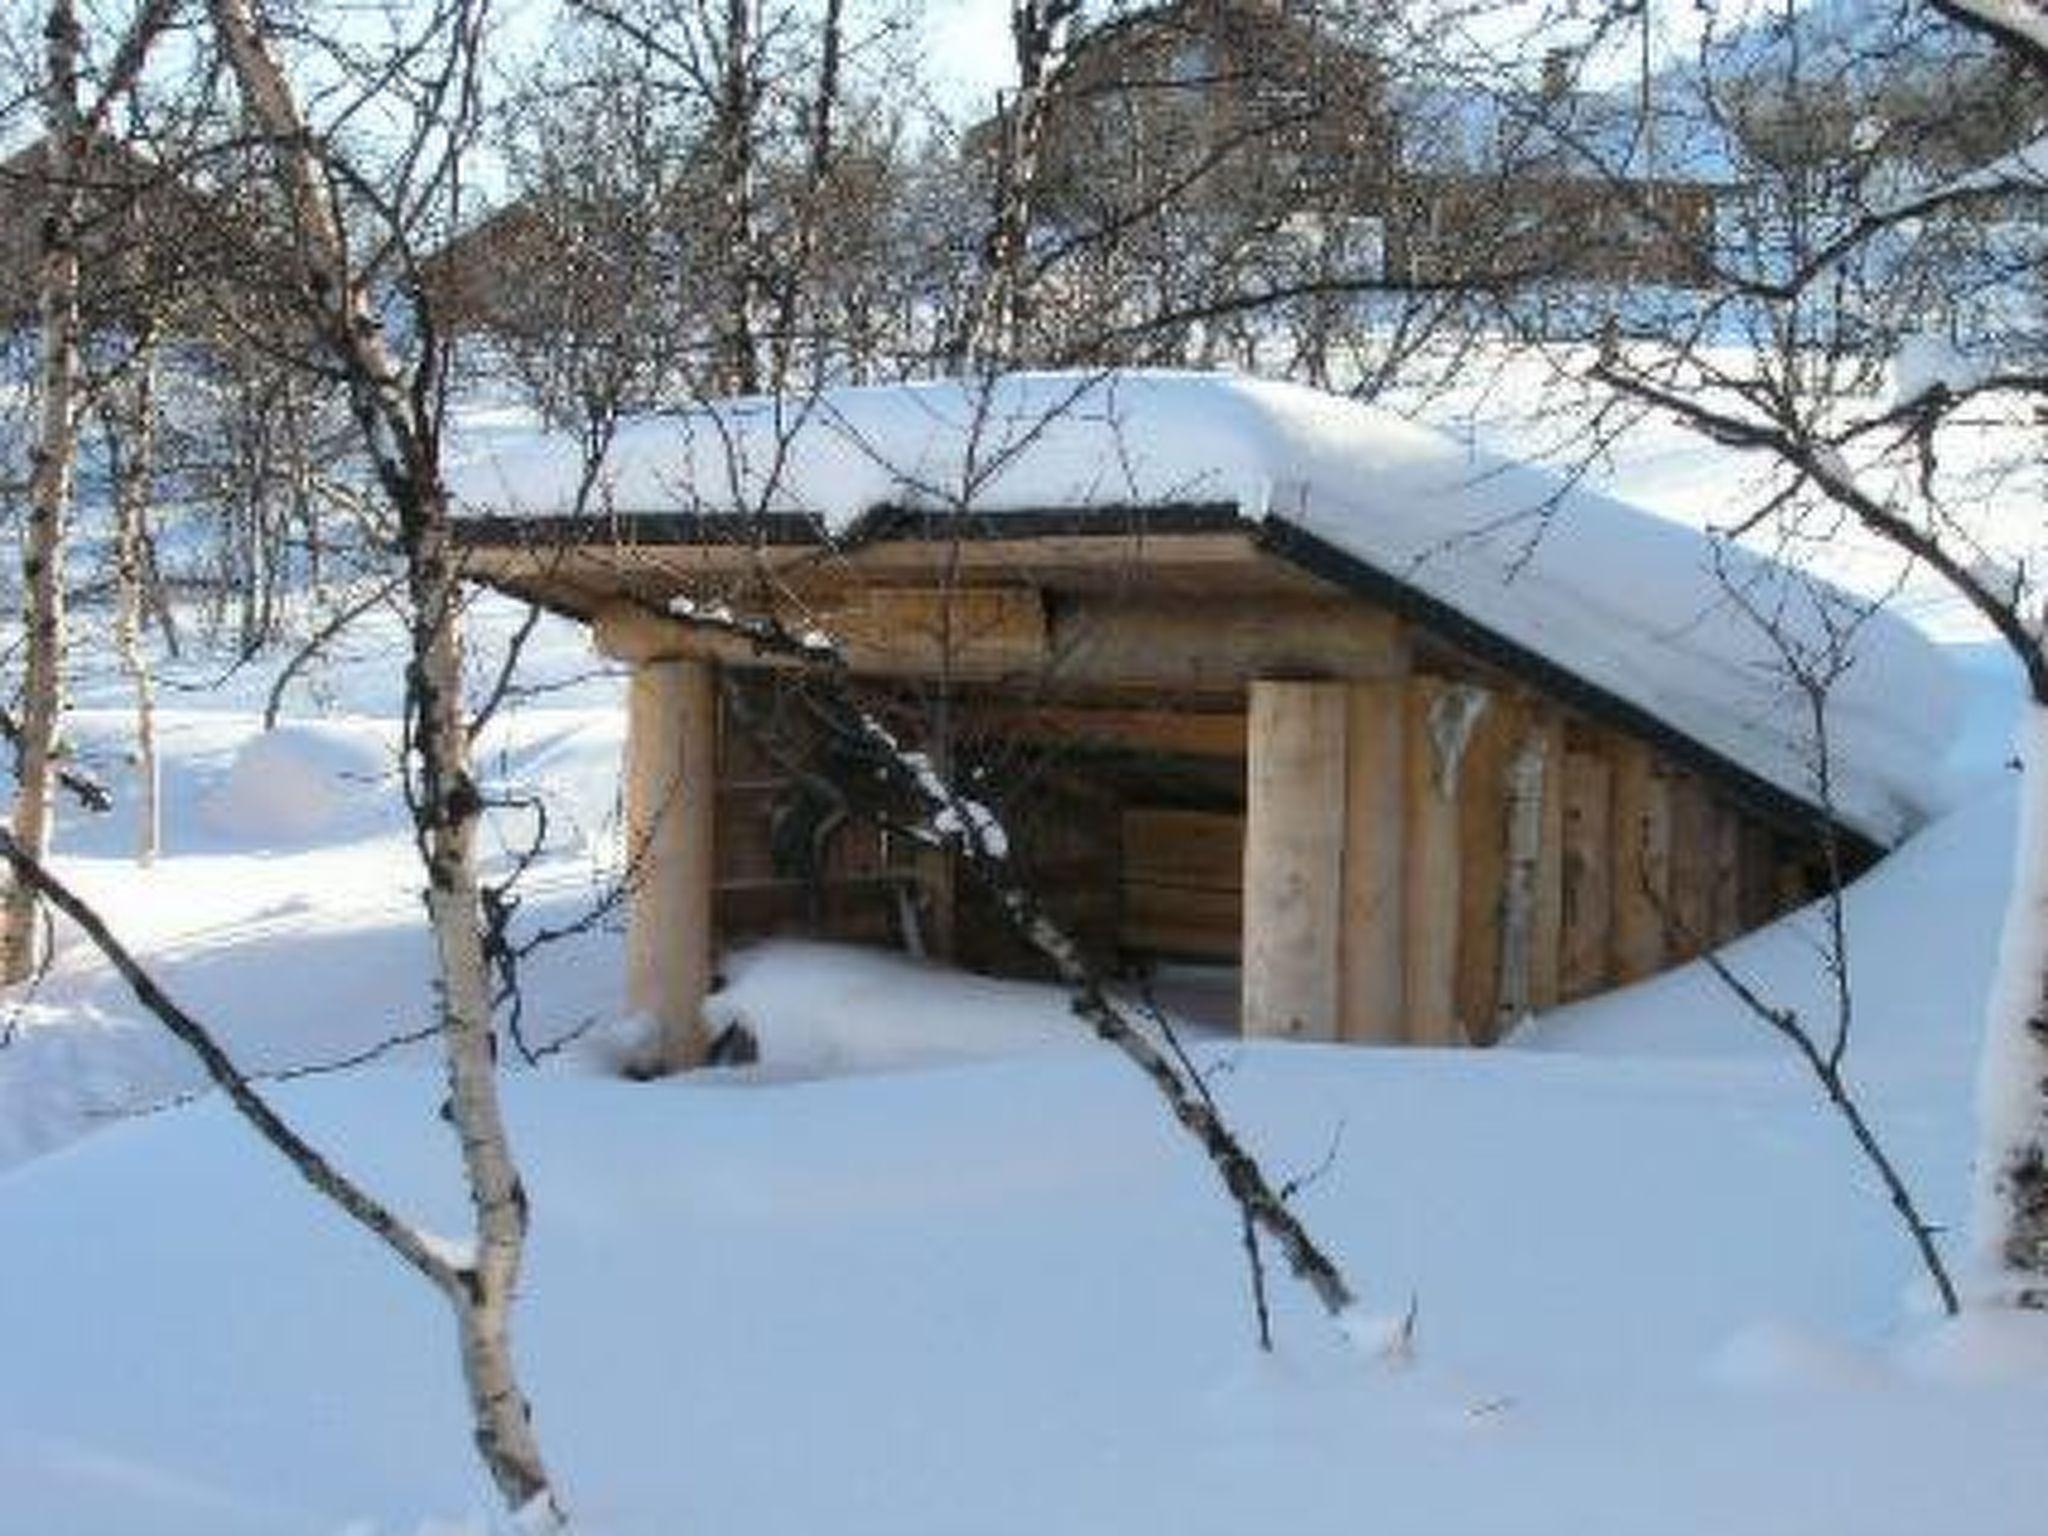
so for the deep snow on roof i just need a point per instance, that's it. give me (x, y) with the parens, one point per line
(1646, 610)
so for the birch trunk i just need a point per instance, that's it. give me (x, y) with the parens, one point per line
(136, 429)
(52, 467)
(739, 366)
(2012, 1160)
(404, 440)
(1038, 31)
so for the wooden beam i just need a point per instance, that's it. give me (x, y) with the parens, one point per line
(1182, 882)
(1641, 848)
(1372, 996)
(627, 631)
(671, 757)
(1194, 645)
(939, 631)
(1184, 733)
(1222, 644)
(1586, 903)
(1293, 859)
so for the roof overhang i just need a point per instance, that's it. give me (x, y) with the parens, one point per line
(589, 567)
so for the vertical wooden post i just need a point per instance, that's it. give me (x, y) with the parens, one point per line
(671, 769)
(1585, 936)
(1726, 923)
(1529, 792)
(1293, 858)
(1482, 796)
(1642, 862)
(1373, 1000)
(1690, 900)
(1546, 928)
(1441, 716)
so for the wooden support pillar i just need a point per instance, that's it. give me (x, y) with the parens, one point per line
(671, 771)
(1546, 924)
(1529, 898)
(1293, 859)
(1440, 720)
(1482, 797)
(1587, 905)
(1373, 1002)
(1642, 862)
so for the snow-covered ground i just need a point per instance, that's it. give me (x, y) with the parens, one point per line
(938, 1265)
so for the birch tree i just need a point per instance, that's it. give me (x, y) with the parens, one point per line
(70, 119)
(397, 403)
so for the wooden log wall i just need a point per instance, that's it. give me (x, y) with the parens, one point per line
(1422, 859)
(1483, 856)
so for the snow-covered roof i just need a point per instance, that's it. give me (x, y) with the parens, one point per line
(1636, 608)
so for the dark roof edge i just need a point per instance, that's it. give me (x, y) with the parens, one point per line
(563, 530)
(879, 523)
(1318, 557)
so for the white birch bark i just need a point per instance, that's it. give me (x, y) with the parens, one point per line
(445, 800)
(52, 468)
(136, 428)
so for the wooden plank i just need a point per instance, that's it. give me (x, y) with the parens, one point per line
(1546, 930)
(1437, 716)
(1202, 849)
(1372, 995)
(1689, 915)
(1482, 867)
(1757, 899)
(1177, 920)
(1530, 802)
(1181, 732)
(941, 631)
(1218, 644)
(1725, 921)
(1215, 645)
(671, 799)
(1642, 860)
(1586, 904)
(1293, 864)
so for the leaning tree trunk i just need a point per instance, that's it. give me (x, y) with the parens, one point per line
(2012, 1166)
(50, 479)
(446, 808)
(402, 434)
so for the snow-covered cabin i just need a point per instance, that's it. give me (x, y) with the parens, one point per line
(1419, 739)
